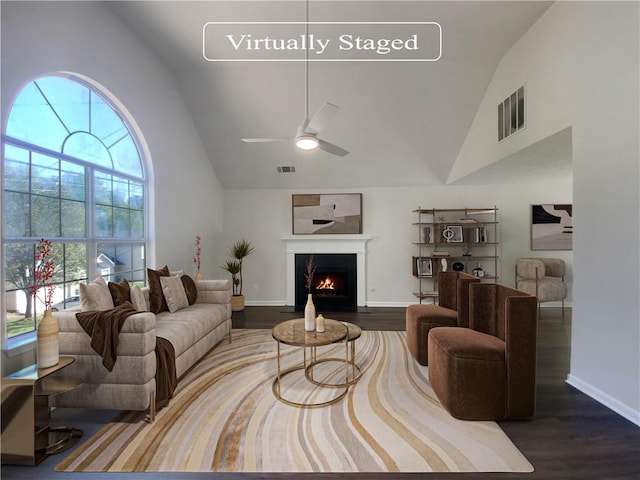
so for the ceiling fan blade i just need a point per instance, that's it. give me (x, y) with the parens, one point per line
(262, 140)
(322, 117)
(331, 148)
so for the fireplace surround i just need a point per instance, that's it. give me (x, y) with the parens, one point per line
(321, 244)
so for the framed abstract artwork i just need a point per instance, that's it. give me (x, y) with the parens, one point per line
(424, 267)
(552, 227)
(332, 213)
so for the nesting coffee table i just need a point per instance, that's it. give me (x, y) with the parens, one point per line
(292, 332)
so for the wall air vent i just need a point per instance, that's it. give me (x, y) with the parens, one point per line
(511, 114)
(287, 169)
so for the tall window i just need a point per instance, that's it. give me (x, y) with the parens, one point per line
(73, 174)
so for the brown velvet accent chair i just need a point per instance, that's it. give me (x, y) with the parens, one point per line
(488, 371)
(451, 311)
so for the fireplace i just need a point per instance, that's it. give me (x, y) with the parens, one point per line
(335, 283)
(326, 244)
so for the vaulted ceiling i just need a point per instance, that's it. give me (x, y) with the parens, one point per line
(403, 122)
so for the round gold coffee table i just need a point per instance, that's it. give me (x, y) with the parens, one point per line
(292, 332)
(354, 332)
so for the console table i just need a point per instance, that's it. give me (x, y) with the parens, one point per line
(27, 436)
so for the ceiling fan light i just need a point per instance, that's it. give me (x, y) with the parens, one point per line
(306, 142)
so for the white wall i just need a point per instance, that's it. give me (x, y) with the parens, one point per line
(580, 64)
(264, 217)
(41, 38)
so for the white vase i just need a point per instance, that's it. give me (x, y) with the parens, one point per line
(309, 315)
(48, 345)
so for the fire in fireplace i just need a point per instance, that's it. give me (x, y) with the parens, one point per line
(334, 286)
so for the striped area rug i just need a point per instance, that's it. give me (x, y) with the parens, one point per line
(225, 418)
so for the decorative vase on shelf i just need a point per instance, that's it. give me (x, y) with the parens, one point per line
(309, 315)
(199, 275)
(48, 346)
(478, 271)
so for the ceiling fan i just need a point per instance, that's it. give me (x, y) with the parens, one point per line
(306, 137)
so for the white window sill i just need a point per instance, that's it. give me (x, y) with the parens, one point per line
(20, 345)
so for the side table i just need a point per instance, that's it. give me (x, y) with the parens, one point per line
(27, 436)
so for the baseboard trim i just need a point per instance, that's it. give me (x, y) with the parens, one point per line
(266, 303)
(388, 304)
(605, 399)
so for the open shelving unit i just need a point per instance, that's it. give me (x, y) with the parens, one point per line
(459, 239)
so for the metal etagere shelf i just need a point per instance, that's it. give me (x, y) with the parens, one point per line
(459, 239)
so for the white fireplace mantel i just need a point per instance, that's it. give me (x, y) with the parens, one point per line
(308, 244)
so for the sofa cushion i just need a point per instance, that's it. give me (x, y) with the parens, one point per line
(120, 292)
(157, 302)
(190, 288)
(137, 299)
(174, 293)
(95, 296)
(186, 327)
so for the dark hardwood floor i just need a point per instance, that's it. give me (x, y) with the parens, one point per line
(570, 437)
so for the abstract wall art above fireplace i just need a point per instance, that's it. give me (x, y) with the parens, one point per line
(333, 213)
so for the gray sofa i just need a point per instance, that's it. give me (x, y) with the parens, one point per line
(131, 385)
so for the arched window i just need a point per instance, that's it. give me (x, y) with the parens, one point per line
(72, 174)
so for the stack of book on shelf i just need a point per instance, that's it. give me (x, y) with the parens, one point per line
(440, 254)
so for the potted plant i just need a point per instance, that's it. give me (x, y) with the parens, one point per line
(239, 250)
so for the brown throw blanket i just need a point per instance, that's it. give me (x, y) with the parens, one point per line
(104, 329)
(166, 379)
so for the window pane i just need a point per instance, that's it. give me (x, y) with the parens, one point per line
(32, 120)
(75, 267)
(85, 146)
(73, 181)
(118, 261)
(16, 215)
(105, 122)
(120, 223)
(45, 217)
(102, 189)
(70, 101)
(137, 224)
(73, 219)
(125, 157)
(103, 221)
(136, 196)
(120, 192)
(45, 175)
(16, 169)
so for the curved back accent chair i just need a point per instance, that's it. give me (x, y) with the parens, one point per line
(542, 277)
(452, 311)
(488, 371)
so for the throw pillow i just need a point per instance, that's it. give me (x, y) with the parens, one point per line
(190, 288)
(156, 298)
(174, 293)
(137, 299)
(95, 296)
(120, 292)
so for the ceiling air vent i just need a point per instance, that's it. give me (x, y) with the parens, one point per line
(287, 169)
(511, 114)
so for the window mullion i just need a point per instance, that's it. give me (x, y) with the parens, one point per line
(92, 244)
